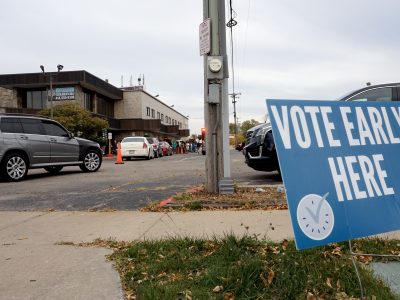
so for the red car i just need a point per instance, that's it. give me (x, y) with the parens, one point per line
(166, 148)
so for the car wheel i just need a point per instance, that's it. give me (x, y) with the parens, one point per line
(15, 167)
(53, 169)
(91, 162)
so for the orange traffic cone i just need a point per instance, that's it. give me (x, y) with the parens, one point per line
(119, 155)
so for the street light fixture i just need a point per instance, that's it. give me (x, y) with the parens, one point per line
(59, 68)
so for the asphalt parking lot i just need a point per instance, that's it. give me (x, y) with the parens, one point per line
(129, 186)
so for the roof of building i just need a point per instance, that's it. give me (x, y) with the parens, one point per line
(40, 80)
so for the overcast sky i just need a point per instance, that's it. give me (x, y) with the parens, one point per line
(309, 49)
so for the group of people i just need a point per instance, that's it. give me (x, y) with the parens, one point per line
(178, 146)
(191, 146)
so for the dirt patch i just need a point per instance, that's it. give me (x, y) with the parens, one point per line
(267, 198)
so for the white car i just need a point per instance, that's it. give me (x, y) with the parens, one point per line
(136, 146)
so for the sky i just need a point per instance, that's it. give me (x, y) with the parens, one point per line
(290, 49)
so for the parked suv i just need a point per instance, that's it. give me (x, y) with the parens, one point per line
(260, 152)
(29, 142)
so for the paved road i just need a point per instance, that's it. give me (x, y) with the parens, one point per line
(122, 187)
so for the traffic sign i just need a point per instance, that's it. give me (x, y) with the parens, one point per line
(205, 37)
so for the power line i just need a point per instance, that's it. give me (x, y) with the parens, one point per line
(231, 23)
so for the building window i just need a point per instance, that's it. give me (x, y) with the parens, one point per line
(162, 117)
(180, 125)
(36, 99)
(169, 120)
(158, 115)
(87, 101)
(148, 111)
(153, 113)
(173, 122)
(105, 107)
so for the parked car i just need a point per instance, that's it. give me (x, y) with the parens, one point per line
(136, 146)
(156, 147)
(29, 142)
(166, 148)
(259, 150)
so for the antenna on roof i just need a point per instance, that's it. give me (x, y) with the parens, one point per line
(139, 80)
(130, 81)
(122, 81)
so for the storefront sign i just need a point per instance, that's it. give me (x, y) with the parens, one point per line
(64, 93)
(340, 163)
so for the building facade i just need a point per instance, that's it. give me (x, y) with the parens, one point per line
(129, 111)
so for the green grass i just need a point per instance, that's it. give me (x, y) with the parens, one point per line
(246, 268)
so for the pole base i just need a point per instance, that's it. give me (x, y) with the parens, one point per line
(226, 186)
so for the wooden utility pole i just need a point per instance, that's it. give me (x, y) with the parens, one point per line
(216, 103)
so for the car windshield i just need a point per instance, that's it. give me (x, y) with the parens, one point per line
(132, 140)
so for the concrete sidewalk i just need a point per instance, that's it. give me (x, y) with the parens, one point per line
(33, 267)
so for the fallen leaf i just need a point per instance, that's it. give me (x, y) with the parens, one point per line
(364, 259)
(264, 280)
(218, 289)
(229, 296)
(329, 282)
(341, 296)
(338, 285)
(284, 244)
(271, 276)
(188, 295)
(311, 296)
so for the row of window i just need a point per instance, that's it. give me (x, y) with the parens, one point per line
(150, 112)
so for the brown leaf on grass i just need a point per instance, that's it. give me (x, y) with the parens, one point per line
(176, 277)
(229, 296)
(311, 296)
(264, 280)
(267, 280)
(275, 250)
(284, 244)
(218, 288)
(338, 286)
(364, 259)
(329, 282)
(337, 251)
(188, 295)
(343, 296)
(271, 275)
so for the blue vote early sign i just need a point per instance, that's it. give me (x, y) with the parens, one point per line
(340, 163)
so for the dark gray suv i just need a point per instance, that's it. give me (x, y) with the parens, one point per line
(260, 153)
(28, 142)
